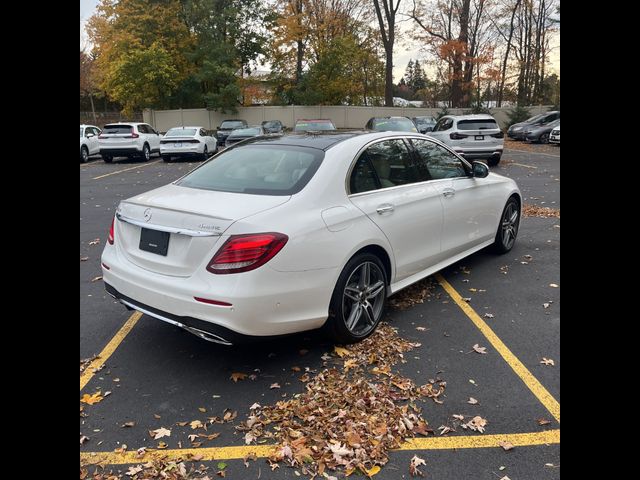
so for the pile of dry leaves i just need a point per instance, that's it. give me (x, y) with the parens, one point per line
(413, 295)
(529, 210)
(84, 363)
(154, 469)
(352, 412)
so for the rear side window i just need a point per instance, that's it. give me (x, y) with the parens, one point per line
(437, 162)
(477, 124)
(115, 129)
(257, 169)
(443, 124)
(390, 163)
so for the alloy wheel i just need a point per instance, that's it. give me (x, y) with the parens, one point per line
(363, 298)
(510, 225)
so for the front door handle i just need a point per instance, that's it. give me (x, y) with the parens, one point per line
(448, 192)
(385, 208)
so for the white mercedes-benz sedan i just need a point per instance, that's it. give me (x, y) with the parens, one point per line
(284, 234)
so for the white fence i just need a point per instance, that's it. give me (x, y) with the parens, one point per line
(342, 116)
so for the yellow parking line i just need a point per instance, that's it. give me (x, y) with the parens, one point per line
(124, 170)
(107, 351)
(229, 453)
(521, 165)
(525, 375)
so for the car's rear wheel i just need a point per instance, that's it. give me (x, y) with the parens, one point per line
(84, 155)
(358, 301)
(508, 227)
(493, 161)
(146, 153)
(205, 153)
(107, 158)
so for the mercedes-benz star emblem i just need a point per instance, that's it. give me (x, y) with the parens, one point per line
(147, 215)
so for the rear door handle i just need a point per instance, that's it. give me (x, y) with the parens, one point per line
(448, 192)
(384, 208)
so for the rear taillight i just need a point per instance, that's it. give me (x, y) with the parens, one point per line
(498, 135)
(111, 238)
(241, 253)
(456, 136)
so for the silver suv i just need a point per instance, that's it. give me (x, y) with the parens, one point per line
(130, 139)
(472, 136)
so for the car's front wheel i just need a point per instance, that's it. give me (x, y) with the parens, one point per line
(493, 161)
(358, 301)
(84, 155)
(544, 138)
(508, 228)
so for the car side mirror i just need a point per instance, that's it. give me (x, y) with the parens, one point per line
(90, 135)
(479, 169)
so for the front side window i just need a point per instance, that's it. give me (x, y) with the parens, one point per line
(257, 169)
(436, 161)
(143, 129)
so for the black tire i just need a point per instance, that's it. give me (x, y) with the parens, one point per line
(544, 138)
(84, 155)
(107, 158)
(166, 158)
(205, 153)
(508, 227)
(146, 152)
(493, 161)
(350, 293)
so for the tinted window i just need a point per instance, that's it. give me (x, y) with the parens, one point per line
(232, 124)
(443, 124)
(114, 129)
(257, 169)
(181, 132)
(392, 163)
(363, 178)
(272, 124)
(477, 124)
(93, 130)
(436, 161)
(143, 129)
(243, 132)
(394, 125)
(306, 125)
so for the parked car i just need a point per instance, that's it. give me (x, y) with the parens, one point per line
(180, 142)
(516, 131)
(555, 135)
(472, 136)
(128, 139)
(227, 127)
(314, 125)
(424, 124)
(273, 126)
(244, 133)
(88, 142)
(540, 133)
(292, 233)
(391, 124)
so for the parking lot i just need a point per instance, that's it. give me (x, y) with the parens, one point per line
(159, 376)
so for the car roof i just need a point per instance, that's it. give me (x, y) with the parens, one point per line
(390, 117)
(87, 125)
(475, 116)
(188, 126)
(127, 123)
(320, 140)
(234, 120)
(314, 120)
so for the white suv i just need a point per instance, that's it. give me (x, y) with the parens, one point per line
(472, 136)
(88, 142)
(555, 135)
(128, 140)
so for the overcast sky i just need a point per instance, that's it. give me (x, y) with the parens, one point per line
(402, 54)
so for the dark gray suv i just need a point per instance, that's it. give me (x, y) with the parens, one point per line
(227, 127)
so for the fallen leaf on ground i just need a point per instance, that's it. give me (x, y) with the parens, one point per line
(135, 470)
(543, 421)
(84, 259)
(421, 329)
(341, 351)
(91, 399)
(506, 446)
(196, 424)
(477, 423)
(472, 401)
(553, 285)
(480, 349)
(488, 315)
(545, 305)
(202, 409)
(95, 242)
(274, 385)
(155, 415)
(128, 424)
(235, 376)
(505, 478)
(83, 439)
(95, 279)
(159, 433)
(414, 464)
(547, 361)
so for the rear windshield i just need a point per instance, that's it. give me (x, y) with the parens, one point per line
(425, 121)
(477, 124)
(306, 125)
(232, 124)
(270, 124)
(113, 129)
(242, 132)
(394, 124)
(257, 169)
(181, 132)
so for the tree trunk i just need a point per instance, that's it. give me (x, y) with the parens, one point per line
(506, 55)
(388, 79)
(93, 109)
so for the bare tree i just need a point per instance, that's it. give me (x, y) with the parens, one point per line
(387, 23)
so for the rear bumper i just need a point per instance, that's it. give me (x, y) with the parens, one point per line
(119, 151)
(264, 302)
(554, 139)
(180, 152)
(480, 154)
